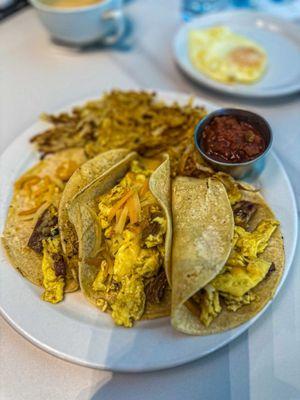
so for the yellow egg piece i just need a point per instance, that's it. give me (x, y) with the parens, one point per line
(53, 285)
(226, 56)
(238, 281)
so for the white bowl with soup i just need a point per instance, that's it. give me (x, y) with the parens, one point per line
(82, 22)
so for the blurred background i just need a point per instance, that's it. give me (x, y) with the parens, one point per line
(192, 8)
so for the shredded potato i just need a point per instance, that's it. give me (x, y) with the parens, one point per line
(133, 120)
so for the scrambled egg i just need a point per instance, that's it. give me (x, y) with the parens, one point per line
(242, 272)
(106, 203)
(226, 56)
(130, 301)
(231, 186)
(238, 281)
(210, 304)
(156, 239)
(233, 303)
(99, 282)
(253, 243)
(127, 255)
(134, 229)
(54, 285)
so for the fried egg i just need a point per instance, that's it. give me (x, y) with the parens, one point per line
(226, 56)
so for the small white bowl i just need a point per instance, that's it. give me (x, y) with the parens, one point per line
(80, 26)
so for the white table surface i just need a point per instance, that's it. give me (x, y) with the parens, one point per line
(35, 76)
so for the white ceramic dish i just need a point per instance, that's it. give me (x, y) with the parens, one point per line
(280, 39)
(76, 331)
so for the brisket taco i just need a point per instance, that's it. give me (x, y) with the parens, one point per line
(82, 177)
(227, 255)
(31, 234)
(123, 224)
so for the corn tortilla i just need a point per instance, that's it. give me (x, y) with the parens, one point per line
(82, 214)
(194, 221)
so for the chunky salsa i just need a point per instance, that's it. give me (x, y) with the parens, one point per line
(231, 140)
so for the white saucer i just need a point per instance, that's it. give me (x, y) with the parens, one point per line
(279, 38)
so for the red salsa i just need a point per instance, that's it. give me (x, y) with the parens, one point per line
(231, 140)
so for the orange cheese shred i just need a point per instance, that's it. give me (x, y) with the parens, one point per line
(134, 208)
(122, 220)
(118, 205)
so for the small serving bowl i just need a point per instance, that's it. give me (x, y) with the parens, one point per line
(241, 169)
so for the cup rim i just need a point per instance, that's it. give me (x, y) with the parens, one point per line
(66, 10)
(235, 112)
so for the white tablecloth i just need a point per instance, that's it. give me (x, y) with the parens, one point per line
(35, 76)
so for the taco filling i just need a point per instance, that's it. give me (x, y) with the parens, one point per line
(45, 240)
(43, 194)
(242, 272)
(31, 237)
(227, 287)
(131, 256)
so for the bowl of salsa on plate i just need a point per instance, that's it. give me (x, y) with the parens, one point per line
(233, 140)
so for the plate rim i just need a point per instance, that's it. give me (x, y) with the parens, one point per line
(208, 83)
(191, 357)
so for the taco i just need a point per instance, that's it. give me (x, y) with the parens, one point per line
(123, 224)
(83, 176)
(31, 234)
(227, 256)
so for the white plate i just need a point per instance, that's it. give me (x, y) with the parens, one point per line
(280, 39)
(76, 331)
